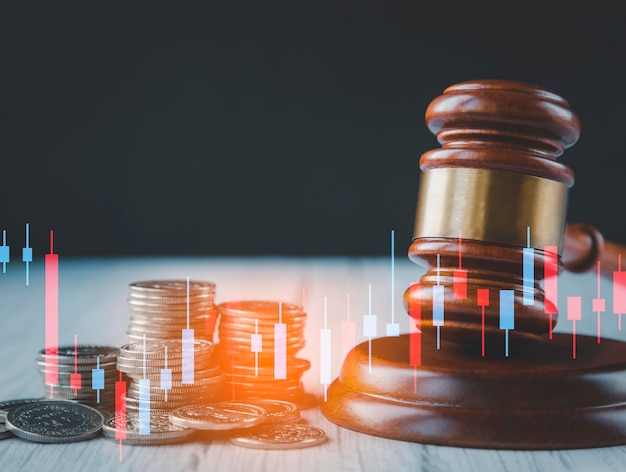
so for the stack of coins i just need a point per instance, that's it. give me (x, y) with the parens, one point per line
(161, 309)
(250, 355)
(82, 363)
(193, 379)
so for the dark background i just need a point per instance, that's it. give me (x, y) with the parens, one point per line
(256, 127)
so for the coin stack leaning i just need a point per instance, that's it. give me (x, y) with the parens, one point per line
(139, 361)
(253, 375)
(81, 360)
(161, 309)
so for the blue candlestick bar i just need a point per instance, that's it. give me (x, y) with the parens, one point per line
(529, 272)
(5, 252)
(438, 295)
(438, 298)
(97, 379)
(507, 320)
(27, 254)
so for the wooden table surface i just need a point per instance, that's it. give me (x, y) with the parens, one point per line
(92, 305)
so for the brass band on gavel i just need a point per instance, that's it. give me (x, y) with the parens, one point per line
(491, 205)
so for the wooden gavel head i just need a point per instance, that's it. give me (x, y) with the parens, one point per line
(494, 188)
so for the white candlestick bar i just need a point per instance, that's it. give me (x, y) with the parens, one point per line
(256, 346)
(144, 397)
(166, 376)
(144, 406)
(280, 346)
(188, 356)
(348, 332)
(325, 375)
(369, 327)
(393, 328)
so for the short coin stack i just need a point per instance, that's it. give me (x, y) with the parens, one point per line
(249, 365)
(139, 361)
(82, 363)
(161, 309)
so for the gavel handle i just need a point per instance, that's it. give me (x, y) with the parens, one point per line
(583, 246)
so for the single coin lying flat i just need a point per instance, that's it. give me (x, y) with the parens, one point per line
(218, 416)
(280, 436)
(50, 421)
(160, 431)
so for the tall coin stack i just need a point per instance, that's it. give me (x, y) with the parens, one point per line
(139, 361)
(247, 354)
(161, 309)
(82, 363)
(159, 312)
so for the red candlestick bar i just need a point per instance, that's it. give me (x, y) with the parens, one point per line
(460, 276)
(415, 333)
(598, 304)
(619, 292)
(551, 272)
(52, 316)
(482, 296)
(574, 313)
(120, 412)
(75, 378)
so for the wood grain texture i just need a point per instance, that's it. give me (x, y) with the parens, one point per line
(93, 305)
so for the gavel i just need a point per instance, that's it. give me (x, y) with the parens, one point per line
(493, 191)
(494, 188)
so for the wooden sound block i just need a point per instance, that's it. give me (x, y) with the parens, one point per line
(539, 398)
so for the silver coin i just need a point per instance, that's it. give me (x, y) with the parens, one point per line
(8, 405)
(69, 368)
(198, 385)
(166, 311)
(54, 422)
(161, 430)
(169, 322)
(176, 297)
(4, 432)
(171, 287)
(141, 305)
(156, 350)
(85, 354)
(280, 436)
(218, 416)
(199, 358)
